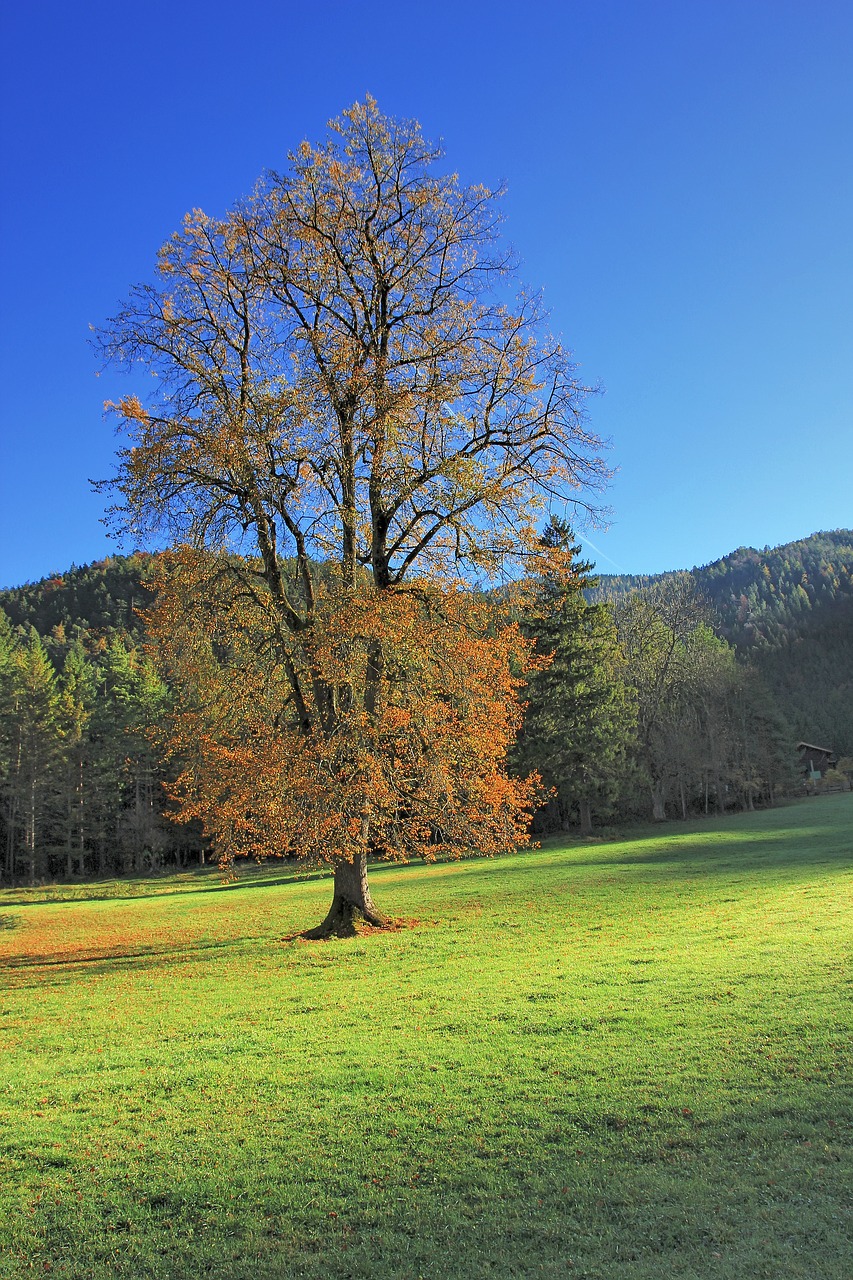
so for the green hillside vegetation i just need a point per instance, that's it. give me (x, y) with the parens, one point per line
(636, 715)
(789, 612)
(98, 600)
(596, 1060)
(764, 597)
(644, 711)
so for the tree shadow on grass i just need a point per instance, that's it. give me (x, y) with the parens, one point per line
(782, 853)
(699, 844)
(162, 889)
(62, 969)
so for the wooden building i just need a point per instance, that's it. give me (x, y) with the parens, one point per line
(815, 761)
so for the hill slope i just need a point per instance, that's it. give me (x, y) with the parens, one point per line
(789, 611)
(103, 597)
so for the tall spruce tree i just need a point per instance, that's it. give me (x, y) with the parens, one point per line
(129, 798)
(80, 682)
(580, 717)
(37, 728)
(7, 747)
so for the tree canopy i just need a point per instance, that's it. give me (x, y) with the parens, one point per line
(580, 718)
(353, 418)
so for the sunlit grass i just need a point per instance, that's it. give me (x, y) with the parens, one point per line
(624, 1058)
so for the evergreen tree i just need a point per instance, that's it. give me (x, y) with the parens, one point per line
(129, 796)
(7, 746)
(36, 731)
(580, 715)
(80, 683)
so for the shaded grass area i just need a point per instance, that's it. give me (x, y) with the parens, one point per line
(622, 1059)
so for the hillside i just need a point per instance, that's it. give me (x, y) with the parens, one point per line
(103, 597)
(789, 611)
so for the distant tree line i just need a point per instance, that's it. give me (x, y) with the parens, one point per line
(660, 698)
(81, 782)
(644, 711)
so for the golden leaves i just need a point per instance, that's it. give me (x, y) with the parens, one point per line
(410, 699)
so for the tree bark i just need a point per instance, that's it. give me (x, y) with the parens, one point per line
(658, 803)
(585, 815)
(352, 904)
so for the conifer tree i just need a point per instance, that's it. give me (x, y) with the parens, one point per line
(128, 795)
(580, 716)
(8, 810)
(38, 733)
(80, 691)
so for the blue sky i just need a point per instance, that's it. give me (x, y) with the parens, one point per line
(680, 182)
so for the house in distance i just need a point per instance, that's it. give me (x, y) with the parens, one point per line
(816, 761)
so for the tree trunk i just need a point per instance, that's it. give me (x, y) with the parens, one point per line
(585, 815)
(352, 904)
(658, 804)
(81, 836)
(31, 834)
(11, 843)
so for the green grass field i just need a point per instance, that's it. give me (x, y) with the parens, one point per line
(612, 1060)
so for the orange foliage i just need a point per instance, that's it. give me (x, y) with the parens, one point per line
(345, 391)
(411, 767)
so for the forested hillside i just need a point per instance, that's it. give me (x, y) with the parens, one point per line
(789, 611)
(643, 709)
(80, 783)
(102, 598)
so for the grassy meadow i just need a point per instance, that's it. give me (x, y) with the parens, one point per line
(622, 1060)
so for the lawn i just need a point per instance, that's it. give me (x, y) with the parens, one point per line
(622, 1060)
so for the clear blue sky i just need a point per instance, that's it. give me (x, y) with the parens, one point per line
(680, 181)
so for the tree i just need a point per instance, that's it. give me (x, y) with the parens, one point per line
(580, 715)
(654, 626)
(845, 766)
(708, 727)
(352, 421)
(35, 732)
(764, 760)
(79, 690)
(126, 793)
(8, 745)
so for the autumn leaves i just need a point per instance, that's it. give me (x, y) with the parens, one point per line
(352, 434)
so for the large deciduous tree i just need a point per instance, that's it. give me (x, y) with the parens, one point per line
(354, 421)
(707, 726)
(655, 628)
